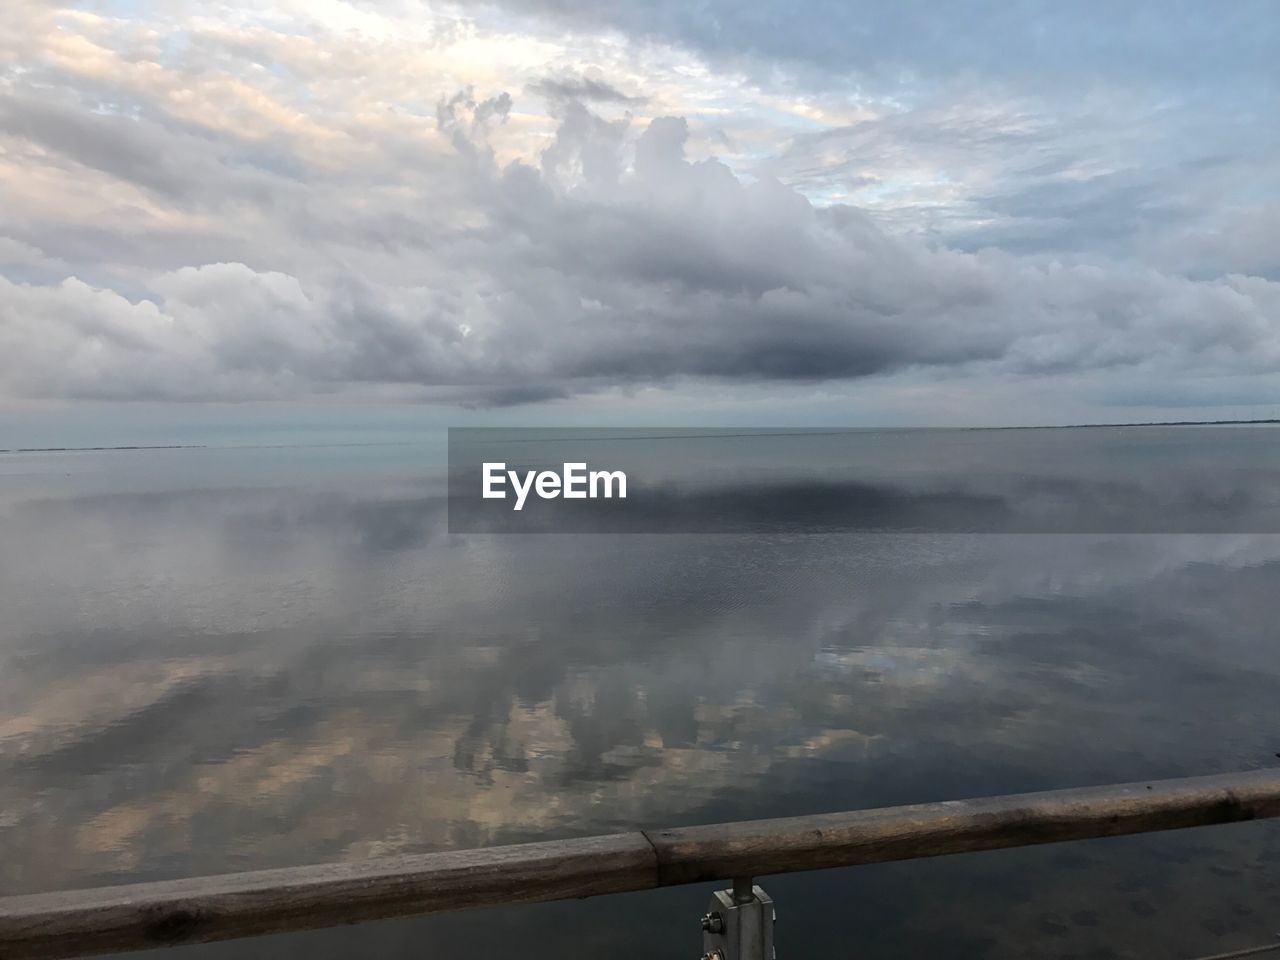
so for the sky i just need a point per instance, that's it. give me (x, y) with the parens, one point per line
(666, 212)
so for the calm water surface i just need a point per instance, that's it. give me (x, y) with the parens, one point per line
(226, 659)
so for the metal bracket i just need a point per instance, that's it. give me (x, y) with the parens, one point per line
(738, 924)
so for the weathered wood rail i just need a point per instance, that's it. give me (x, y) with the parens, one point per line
(165, 913)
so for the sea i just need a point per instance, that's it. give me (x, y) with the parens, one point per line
(228, 657)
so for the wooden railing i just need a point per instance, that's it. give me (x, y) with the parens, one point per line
(166, 913)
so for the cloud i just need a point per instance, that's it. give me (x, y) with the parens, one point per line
(618, 262)
(242, 217)
(1156, 40)
(586, 89)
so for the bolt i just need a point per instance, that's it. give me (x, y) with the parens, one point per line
(713, 923)
(713, 955)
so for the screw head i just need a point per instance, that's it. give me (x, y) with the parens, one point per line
(713, 923)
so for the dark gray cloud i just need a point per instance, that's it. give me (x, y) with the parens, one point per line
(586, 89)
(618, 262)
(239, 238)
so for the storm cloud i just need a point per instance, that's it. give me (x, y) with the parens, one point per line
(204, 240)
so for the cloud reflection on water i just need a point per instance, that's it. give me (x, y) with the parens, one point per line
(208, 680)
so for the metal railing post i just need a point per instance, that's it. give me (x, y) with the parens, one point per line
(738, 924)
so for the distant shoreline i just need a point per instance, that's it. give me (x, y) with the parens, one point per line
(1153, 423)
(160, 446)
(1060, 426)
